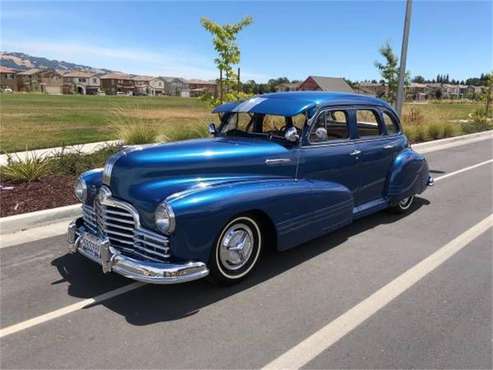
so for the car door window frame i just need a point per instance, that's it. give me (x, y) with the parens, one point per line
(306, 140)
(381, 126)
(394, 119)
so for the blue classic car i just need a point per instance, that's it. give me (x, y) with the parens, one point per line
(280, 169)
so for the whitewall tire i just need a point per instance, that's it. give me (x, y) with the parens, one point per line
(236, 251)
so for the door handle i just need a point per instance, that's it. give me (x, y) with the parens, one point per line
(388, 146)
(355, 152)
(274, 161)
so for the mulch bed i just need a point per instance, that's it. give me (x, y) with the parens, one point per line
(49, 192)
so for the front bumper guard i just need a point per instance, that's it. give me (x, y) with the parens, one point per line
(144, 271)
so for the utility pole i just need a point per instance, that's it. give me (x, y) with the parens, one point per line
(402, 68)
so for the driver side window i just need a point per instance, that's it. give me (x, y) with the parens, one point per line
(330, 125)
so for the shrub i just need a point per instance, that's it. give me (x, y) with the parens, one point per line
(435, 130)
(185, 132)
(472, 126)
(413, 117)
(67, 162)
(421, 133)
(479, 116)
(28, 169)
(450, 129)
(134, 134)
(75, 162)
(410, 132)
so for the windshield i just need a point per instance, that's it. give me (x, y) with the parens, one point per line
(266, 125)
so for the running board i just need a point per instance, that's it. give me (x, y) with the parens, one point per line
(369, 208)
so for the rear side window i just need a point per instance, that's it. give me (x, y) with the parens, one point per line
(367, 122)
(390, 124)
(330, 125)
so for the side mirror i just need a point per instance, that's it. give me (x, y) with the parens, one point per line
(212, 129)
(291, 135)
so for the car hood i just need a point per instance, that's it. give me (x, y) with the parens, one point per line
(149, 174)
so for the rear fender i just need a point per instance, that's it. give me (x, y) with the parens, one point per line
(299, 210)
(408, 176)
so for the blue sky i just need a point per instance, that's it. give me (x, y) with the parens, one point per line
(287, 38)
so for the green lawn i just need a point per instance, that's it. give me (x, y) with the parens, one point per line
(39, 121)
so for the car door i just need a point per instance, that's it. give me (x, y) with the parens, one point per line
(377, 151)
(328, 153)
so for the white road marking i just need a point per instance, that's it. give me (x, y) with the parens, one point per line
(68, 309)
(321, 340)
(464, 170)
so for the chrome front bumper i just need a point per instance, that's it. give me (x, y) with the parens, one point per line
(145, 271)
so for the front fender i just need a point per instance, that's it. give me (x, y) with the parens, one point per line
(300, 210)
(408, 175)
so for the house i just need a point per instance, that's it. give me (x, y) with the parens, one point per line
(81, 82)
(28, 81)
(174, 85)
(201, 87)
(8, 78)
(288, 86)
(417, 91)
(50, 81)
(117, 83)
(148, 85)
(371, 88)
(320, 83)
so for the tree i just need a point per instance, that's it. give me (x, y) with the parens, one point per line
(390, 72)
(487, 94)
(228, 54)
(419, 79)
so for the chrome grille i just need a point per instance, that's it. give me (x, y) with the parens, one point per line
(120, 224)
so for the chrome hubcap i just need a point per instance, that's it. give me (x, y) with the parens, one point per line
(236, 246)
(406, 202)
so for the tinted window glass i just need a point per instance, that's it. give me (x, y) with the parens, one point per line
(299, 121)
(367, 122)
(238, 121)
(390, 125)
(330, 125)
(273, 124)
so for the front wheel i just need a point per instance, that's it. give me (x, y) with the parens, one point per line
(236, 251)
(403, 206)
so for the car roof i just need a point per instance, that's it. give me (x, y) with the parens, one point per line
(296, 102)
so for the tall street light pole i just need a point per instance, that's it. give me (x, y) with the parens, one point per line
(402, 68)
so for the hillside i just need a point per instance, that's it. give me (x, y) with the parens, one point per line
(23, 61)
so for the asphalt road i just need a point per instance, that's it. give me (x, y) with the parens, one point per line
(444, 320)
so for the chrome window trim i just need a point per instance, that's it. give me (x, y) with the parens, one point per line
(395, 121)
(328, 142)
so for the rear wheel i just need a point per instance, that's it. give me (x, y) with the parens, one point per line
(236, 251)
(404, 205)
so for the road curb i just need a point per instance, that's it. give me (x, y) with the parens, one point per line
(25, 221)
(440, 142)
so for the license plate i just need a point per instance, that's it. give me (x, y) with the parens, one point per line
(91, 245)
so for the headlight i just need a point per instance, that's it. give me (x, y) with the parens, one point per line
(81, 190)
(164, 218)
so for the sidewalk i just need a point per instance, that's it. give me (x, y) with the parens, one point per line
(49, 152)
